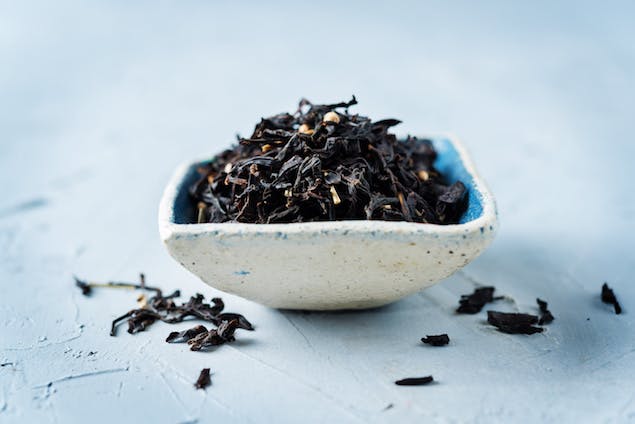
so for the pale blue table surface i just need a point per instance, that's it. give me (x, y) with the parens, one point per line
(99, 102)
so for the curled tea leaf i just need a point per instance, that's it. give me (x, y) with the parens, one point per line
(186, 335)
(241, 320)
(164, 308)
(204, 380)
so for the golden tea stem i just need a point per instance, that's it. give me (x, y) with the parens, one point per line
(114, 286)
(201, 212)
(305, 129)
(142, 301)
(336, 197)
(331, 117)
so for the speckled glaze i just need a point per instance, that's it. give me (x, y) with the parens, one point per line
(329, 265)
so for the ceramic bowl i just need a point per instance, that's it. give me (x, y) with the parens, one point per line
(329, 265)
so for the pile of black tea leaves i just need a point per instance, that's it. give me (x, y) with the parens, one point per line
(323, 163)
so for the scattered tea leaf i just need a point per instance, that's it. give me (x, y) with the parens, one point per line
(440, 340)
(206, 340)
(84, 286)
(186, 335)
(203, 379)
(545, 315)
(242, 321)
(415, 381)
(165, 309)
(473, 303)
(513, 323)
(608, 296)
(87, 287)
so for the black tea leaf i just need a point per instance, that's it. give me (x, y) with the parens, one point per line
(203, 380)
(163, 308)
(440, 340)
(473, 303)
(545, 314)
(184, 336)
(514, 323)
(608, 296)
(415, 381)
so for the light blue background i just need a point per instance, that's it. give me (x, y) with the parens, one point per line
(100, 101)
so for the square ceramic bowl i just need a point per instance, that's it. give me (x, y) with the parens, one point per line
(329, 265)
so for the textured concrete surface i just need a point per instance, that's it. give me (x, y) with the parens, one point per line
(98, 104)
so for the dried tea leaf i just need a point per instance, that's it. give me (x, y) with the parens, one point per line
(514, 323)
(451, 204)
(186, 335)
(205, 340)
(165, 309)
(545, 315)
(415, 381)
(226, 330)
(473, 303)
(608, 296)
(242, 321)
(84, 286)
(439, 340)
(203, 379)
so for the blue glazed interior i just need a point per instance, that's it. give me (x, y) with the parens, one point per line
(448, 163)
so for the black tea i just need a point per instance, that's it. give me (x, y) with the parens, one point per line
(415, 381)
(608, 296)
(473, 303)
(203, 379)
(440, 340)
(513, 323)
(323, 164)
(545, 314)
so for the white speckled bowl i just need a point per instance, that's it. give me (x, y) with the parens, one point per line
(329, 265)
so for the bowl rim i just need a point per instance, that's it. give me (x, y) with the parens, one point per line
(487, 219)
